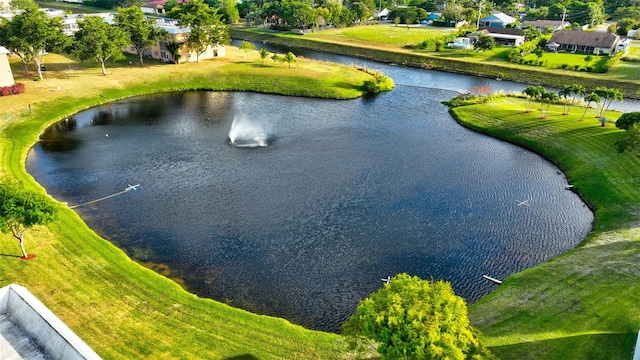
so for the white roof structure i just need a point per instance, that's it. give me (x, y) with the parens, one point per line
(499, 17)
(30, 331)
(3, 50)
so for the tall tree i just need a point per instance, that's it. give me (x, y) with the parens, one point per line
(566, 91)
(549, 97)
(532, 93)
(100, 41)
(577, 90)
(589, 99)
(411, 318)
(610, 96)
(207, 28)
(30, 34)
(21, 209)
(141, 31)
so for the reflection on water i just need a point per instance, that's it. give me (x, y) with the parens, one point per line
(347, 193)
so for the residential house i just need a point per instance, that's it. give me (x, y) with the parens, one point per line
(497, 20)
(585, 42)
(541, 25)
(154, 7)
(160, 50)
(6, 76)
(503, 36)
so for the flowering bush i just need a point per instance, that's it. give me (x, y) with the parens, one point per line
(14, 89)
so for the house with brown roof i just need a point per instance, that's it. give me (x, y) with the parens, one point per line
(584, 42)
(541, 25)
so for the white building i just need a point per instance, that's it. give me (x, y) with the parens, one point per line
(6, 76)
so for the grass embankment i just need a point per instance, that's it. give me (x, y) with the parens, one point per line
(490, 64)
(584, 303)
(121, 309)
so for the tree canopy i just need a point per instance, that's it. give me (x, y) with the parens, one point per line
(99, 41)
(207, 27)
(31, 34)
(21, 209)
(627, 120)
(411, 318)
(140, 30)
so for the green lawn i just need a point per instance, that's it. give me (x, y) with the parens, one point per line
(584, 303)
(386, 34)
(121, 309)
(556, 60)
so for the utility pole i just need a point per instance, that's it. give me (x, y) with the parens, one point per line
(479, 13)
(564, 14)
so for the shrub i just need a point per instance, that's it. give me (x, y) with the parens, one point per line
(564, 66)
(627, 120)
(12, 90)
(611, 62)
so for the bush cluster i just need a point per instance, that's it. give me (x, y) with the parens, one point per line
(379, 83)
(14, 89)
(611, 62)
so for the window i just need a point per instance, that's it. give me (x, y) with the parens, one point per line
(163, 54)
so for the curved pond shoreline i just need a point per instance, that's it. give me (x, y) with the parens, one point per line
(417, 60)
(52, 120)
(454, 230)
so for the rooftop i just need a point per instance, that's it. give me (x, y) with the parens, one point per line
(30, 331)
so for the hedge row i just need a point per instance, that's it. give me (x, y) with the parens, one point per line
(14, 89)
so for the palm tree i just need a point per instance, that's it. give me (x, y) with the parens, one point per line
(602, 92)
(532, 92)
(612, 94)
(550, 97)
(564, 94)
(591, 98)
(263, 54)
(576, 90)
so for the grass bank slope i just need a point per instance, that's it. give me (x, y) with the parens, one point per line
(584, 303)
(121, 309)
(386, 43)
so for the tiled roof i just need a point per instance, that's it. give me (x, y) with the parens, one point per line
(585, 38)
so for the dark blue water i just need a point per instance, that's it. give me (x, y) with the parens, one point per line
(346, 193)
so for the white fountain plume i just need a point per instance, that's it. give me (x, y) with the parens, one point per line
(245, 133)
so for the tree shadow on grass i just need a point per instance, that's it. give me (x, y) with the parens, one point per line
(242, 357)
(597, 346)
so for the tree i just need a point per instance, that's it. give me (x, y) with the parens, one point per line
(396, 20)
(411, 318)
(31, 34)
(21, 209)
(533, 93)
(602, 92)
(100, 41)
(290, 58)
(566, 91)
(587, 59)
(549, 97)
(591, 98)
(174, 49)
(263, 54)
(207, 28)
(484, 43)
(246, 46)
(609, 97)
(577, 90)
(142, 32)
(627, 120)
(632, 142)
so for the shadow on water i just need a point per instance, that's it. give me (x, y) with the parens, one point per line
(351, 192)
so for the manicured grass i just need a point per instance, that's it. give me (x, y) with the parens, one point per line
(491, 63)
(555, 60)
(584, 303)
(387, 34)
(118, 307)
